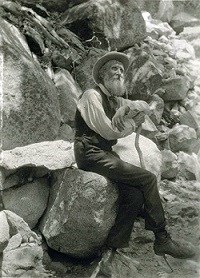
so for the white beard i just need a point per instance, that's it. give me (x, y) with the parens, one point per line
(115, 87)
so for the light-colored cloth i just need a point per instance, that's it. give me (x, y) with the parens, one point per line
(91, 108)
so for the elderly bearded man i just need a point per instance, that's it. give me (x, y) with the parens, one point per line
(99, 123)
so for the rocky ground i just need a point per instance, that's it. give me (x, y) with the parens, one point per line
(182, 211)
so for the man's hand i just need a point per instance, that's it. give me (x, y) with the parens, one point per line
(122, 115)
(118, 120)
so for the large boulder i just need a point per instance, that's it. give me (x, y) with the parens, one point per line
(51, 155)
(125, 148)
(28, 201)
(30, 107)
(112, 25)
(80, 212)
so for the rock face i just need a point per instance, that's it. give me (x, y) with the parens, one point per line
(30, 108)
(106, 23)
(151, 154)
(80, 212)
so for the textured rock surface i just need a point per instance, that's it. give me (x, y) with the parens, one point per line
(24, 261)
(28, 201)
(83, 72)
(191, 34)
(107, 21)
(190, 119)
(149, 129)
(80, 212)
(183, 138)
(169, 168)
(22, 257)
(30, 108)
(124, 266)
(50, 154)
(175, 89)
(51, 5)
(189, 166)
(66, 133)
(68, 93)
(151, 154)
(18, 225)
(157, 107)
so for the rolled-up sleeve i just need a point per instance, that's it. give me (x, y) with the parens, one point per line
(92, 111)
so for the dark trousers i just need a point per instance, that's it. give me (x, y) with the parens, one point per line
(137, 187)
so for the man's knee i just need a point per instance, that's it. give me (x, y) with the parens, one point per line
(153, 178)
(150, 179)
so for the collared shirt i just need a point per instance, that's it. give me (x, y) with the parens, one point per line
(91, 108)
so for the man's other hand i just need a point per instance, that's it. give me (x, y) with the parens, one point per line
(139, 118)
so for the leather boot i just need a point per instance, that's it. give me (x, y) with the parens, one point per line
(164, 245)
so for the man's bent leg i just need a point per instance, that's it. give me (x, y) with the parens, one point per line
(130, 203)
(112, 167)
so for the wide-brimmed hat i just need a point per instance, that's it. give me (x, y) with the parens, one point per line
(113, 55)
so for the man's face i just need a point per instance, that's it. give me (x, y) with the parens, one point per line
(113, 78)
